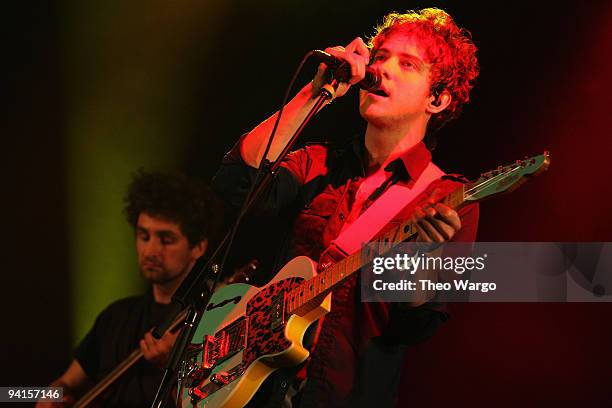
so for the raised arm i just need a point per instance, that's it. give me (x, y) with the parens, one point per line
(253, 145)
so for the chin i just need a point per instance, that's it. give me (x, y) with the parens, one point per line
(373, 119)
(367, 112)
(155, 276)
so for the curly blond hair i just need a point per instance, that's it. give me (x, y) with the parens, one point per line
(447, 47)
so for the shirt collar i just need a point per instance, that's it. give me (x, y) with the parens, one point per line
(414, 160)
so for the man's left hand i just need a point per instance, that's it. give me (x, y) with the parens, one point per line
(436, 223)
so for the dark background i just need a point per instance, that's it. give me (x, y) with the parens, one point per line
(544, 84)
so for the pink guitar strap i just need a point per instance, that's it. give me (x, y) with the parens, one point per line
(382, 211)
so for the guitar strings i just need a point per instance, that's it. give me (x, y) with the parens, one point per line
(489, 180)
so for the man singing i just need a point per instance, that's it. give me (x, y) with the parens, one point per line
(428, 66)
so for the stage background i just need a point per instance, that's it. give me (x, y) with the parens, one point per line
(95, 91)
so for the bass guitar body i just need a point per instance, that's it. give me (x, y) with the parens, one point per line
(246, 334)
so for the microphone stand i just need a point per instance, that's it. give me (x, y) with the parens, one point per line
(191, 293)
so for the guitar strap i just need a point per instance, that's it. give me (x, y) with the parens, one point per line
(379, 214)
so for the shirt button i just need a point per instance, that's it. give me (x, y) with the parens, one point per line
(341, 216)
(284, 384)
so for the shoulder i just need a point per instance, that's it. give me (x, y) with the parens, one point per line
(468, 212)
(312, 151)
(446, 184)
(123, 307)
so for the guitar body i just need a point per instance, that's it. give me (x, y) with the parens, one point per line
(245, 336)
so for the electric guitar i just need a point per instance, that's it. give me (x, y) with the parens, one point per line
(248, 332)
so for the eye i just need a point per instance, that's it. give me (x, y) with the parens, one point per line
(407, 64)
(142, 235)
(168, 240)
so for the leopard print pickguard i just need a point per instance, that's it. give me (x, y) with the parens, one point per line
(261, 338)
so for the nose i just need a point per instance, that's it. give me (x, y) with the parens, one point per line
(386, 68)
(152, 247)
(382, 68)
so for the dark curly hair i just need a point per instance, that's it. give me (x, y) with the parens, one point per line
(448, 48)
(177, 198)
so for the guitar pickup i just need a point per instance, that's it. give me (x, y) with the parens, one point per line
(278, 311)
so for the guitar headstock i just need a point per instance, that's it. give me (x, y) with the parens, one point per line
(506, 178)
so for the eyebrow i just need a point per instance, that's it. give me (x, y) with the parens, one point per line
(161, 233)
(419, 61)
(166, 233)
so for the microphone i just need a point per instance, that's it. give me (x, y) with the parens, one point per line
(342, 72)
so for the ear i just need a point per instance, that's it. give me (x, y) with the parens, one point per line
(199, 249)
(437, 105)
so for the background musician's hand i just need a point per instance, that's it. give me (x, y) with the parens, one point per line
(68, 401)
(356, 54)
(158, 351)
(74, 381)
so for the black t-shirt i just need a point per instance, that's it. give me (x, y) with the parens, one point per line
(115, 334)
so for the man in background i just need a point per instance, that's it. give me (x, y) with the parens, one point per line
(172, 220)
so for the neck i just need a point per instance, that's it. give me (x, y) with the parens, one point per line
(162, 292)
(385, 144)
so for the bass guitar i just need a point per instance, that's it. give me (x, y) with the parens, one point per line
(96, 393)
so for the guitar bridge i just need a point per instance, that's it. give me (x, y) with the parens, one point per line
(217, 381)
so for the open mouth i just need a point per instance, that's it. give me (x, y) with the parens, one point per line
(380, 92)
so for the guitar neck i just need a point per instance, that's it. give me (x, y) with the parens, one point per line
(310, 293)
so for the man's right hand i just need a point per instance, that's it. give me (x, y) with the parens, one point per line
(67, 400)
(356, 54)
(73, 380)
